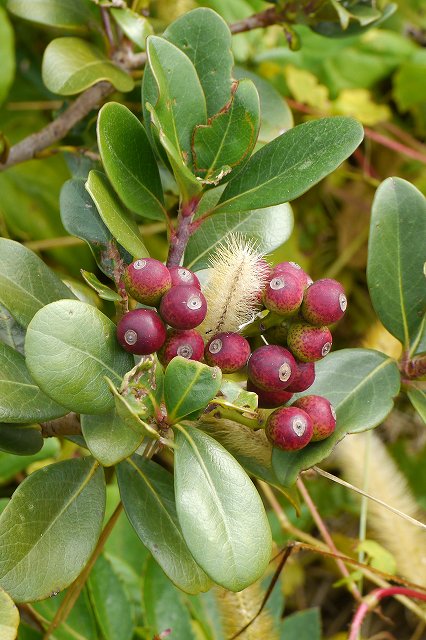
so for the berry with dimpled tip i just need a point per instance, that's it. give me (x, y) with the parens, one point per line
(180, 275)
(141, 332)
(228, 351)
(271, 368)
(308, 343)
(147, 280)
(283, 293)
(289, 428)
(324, 302)
(183, 307)
(305, 376)
(269, 399)
(188, 344)
(322, 414)
(295, 269)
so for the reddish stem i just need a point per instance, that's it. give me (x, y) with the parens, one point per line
(179, 239)
(373, 600)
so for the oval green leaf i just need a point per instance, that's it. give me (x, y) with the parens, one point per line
(9, 617)
(361, 385)
(268, 228)
(396, 255)
(23, 440)
(62, 14)
(291, 164)
(13, 463)
(21, 400)
(147, 493)
(71, 65)
(80, 623)
(418, 400)
(129, 161)
(110, 438)
(181, 104)
(110, 602)
(117, 219)
(228, 138)
(205, 38)
(104, 292)
(220, 512)
(70, 348)
(11, 333)
(166, 607)
(57, 530)
(188, 387)
(135, 26)
(26, 283)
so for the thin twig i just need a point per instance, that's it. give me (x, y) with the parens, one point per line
(327, 537)
(68, 425)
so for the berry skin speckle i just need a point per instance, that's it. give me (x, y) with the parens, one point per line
(324, 302)
(269, 399)
(183, 307)
(188, 344)
(289, 428)
(283, 293)
(141, 332)
(147, 280)
(182, 276)
(308, 343)
(305, 376)
(271, 368)
(322, 414)
(229, 351)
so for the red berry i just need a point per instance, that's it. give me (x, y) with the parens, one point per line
(322, 414)
(228, 351)
(289, 428)
(295, 269)
(308, 343)
(283, 293)
(269, 399)
(183, 307)
(305, 376)
(147, 280)
(180, 276)
(324, 302)
(141, 331)
(271, 368)
(188, 344)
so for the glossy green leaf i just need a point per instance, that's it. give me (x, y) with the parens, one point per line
(133, 414)
(228, 138)
(80, 623)
(303, 625)
(110, 438)
(165, 606)
(21, 400)
(147, 493)
(291, 164)
(268, 228)
(104, 292)
(220, 512)
(12, 464)
(110, 603)
(11, 333)
(7, 54)
(361, 385)
(71, 65)
(23, 440)
(181, 104)
(9, 617)
(205, 38)
(418, 400)
(135, 26)
(80, 218)
(129, 161)
(62, 14)
(409, 89)
(276, 116)
(418, 346)
(26, 283)
(70, 347)
(117, 219)
(57, 530)
(395, 269)
(188, 386)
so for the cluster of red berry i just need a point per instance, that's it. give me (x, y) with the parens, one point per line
(304, 309)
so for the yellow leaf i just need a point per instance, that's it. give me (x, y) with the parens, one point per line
(360, 104)
(305, 88)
